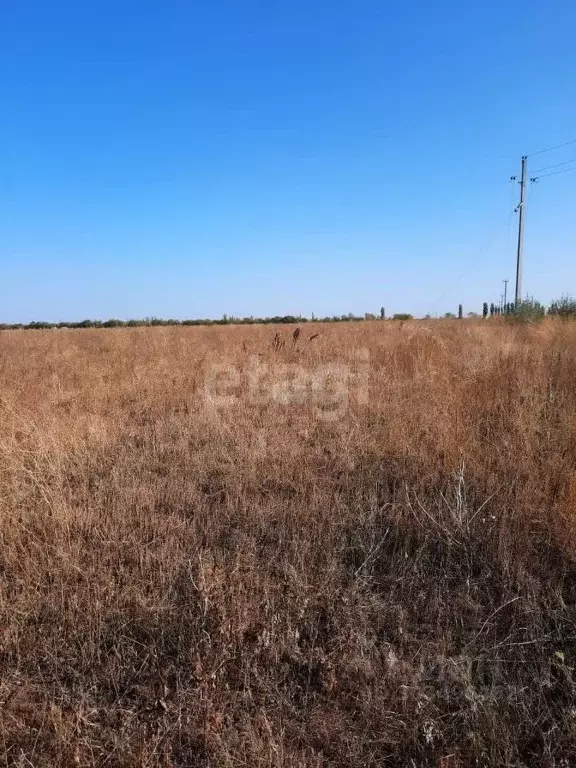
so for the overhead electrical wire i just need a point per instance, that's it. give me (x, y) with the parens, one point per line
(551, 149)
(474, 257)
(555, 173)
(557, 165)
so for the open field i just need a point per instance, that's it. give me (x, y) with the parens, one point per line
(218, 548)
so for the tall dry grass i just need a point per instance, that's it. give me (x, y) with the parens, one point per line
(187, 583)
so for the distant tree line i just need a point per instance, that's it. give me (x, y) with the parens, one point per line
(528, 309)
(531, 309)
(224, 320)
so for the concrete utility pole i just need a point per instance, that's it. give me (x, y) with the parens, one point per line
(505, 292)
(520, 251)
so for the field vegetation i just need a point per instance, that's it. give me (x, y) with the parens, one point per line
(242, 546)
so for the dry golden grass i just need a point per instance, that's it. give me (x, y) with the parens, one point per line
(188, 583)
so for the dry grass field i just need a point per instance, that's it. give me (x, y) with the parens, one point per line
(221, 547)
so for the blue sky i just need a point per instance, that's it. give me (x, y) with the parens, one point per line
(190, 159)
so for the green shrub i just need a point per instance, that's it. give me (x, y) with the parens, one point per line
(563, 307)
(527, 311)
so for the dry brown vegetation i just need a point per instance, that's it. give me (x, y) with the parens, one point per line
(185, 583)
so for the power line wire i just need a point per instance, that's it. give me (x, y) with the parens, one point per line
(497, 234)
(555, 173)
(550, 149)
(512, 196)
(558, 165)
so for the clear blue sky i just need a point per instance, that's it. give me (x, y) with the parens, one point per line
(261, 157)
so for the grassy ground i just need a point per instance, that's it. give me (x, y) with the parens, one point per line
(219, 547)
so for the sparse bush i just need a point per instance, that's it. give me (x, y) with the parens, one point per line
(527, 311)
(112, 323)
(564, 307)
